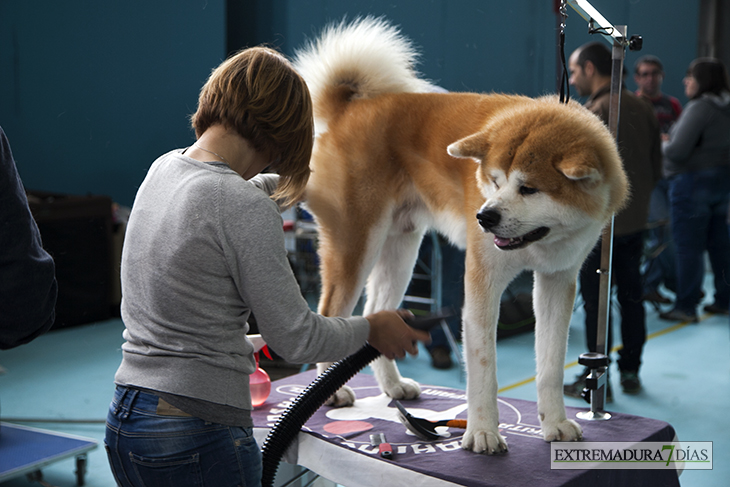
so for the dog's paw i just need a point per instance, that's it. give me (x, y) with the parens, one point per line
(403, 389)
(566, 430)
(344, 397)
(482, 441)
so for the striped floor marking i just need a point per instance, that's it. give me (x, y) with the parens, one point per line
(669, 329)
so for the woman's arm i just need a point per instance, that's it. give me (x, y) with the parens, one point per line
(686, 133)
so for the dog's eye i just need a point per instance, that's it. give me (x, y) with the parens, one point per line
(494, 182)
(526, 190)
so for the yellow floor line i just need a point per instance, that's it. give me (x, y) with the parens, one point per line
(669, 329)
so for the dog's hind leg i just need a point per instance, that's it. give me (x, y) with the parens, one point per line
(385, 289)
(348, 251)
(553, 296)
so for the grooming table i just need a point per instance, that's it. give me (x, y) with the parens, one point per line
(335, 445)
(26, 450)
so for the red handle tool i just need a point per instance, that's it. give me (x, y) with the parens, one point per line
(384, 448)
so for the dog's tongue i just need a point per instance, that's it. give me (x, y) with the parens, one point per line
(501, 242)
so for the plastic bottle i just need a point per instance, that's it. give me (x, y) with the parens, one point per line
(259, 384)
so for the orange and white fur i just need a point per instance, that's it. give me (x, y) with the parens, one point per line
(521, 183)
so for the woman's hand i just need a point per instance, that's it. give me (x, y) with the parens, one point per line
(392, 337)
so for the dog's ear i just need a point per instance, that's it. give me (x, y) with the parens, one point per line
(580, 167)
(474, 146)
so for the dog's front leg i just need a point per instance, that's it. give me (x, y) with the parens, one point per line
(480, 315)
(553, 298)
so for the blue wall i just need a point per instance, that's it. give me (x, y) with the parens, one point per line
(507, 46)
(465, 46)
(91, 92)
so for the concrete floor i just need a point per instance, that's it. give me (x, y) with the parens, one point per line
(67, 375)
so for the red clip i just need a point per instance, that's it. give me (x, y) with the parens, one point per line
(386, 451)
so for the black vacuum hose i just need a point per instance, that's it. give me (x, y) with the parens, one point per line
(317, 393)
(305, 405)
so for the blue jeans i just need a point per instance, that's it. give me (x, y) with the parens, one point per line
(699, 202)
(146, 448)
(662, 268)
(452, 286)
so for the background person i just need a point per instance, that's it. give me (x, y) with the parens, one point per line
(660, 264)
(204, 249)
(697, 165)
(639, 145)
(28, 287)
(452, 294)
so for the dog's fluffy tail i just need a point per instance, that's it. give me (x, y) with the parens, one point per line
(361, 59)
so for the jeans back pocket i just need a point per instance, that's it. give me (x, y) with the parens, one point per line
(173, 471)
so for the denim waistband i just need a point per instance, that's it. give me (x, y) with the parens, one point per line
(128, 398)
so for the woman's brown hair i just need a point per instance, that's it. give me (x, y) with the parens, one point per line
(257, 93)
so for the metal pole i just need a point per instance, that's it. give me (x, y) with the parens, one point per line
(614, 111)
(598, 397)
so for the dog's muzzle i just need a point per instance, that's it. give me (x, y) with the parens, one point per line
(489, 219)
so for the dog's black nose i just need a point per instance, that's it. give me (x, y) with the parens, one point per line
(488, 218)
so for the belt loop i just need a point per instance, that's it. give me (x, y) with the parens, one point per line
(124, 391)
(130, 404)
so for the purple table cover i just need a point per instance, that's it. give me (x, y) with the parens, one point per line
(342, 441)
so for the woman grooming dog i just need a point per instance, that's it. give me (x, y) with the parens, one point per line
(204, 249)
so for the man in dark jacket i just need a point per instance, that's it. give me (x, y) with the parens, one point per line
(28, 286)
(639, 144)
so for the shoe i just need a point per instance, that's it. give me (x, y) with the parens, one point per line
(655, 297)
(576, 388)
(630, 382)
(678, 315)
(441, 358)
(716, 310)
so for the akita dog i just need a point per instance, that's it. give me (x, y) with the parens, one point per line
(393, 159)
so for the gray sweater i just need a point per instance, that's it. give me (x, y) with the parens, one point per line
(701, 137)
(203, 249)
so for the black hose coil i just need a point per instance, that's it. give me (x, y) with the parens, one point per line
(305, 405)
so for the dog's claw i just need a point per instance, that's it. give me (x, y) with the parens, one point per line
(566, 430)
(403, 389)
(487, 442)
(344, 397)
